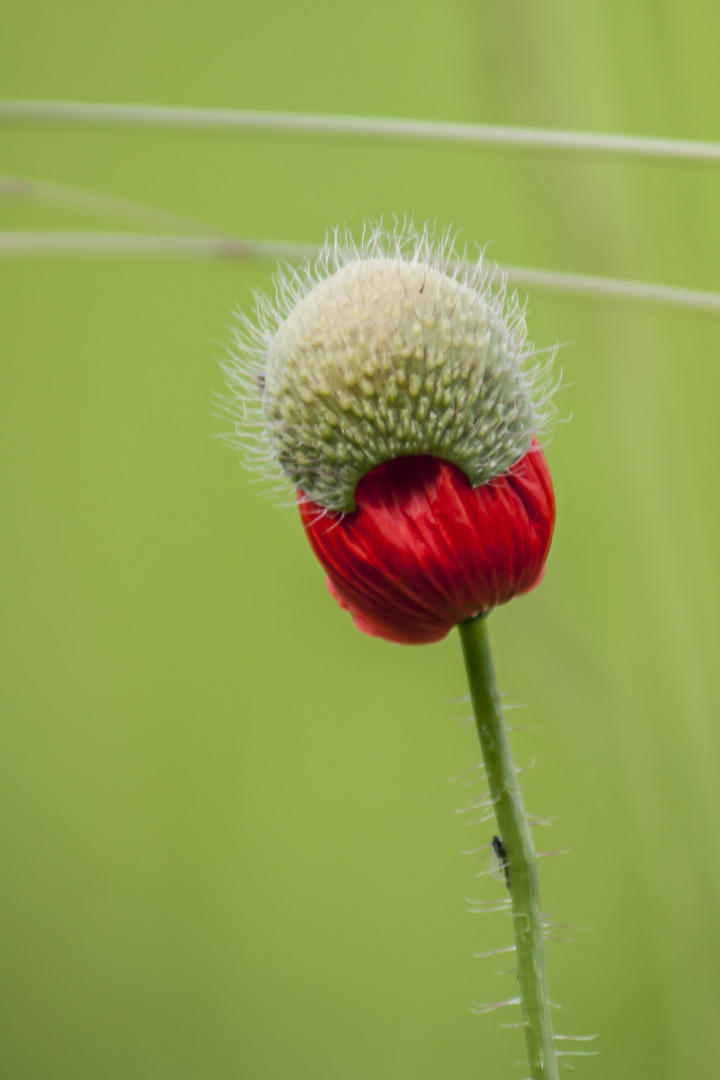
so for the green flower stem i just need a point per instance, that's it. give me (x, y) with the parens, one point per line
(515, 836)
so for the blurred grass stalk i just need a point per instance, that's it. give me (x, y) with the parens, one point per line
(161, 116)
(159, 245)
(202, 241)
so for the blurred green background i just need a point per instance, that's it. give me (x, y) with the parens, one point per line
(228, 839)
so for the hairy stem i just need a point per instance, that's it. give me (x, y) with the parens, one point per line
(522, 875)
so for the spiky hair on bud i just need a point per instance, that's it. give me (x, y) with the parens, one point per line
(393, 346)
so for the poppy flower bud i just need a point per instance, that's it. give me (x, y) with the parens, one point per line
(396, 391)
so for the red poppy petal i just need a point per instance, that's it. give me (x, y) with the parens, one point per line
(425, 551)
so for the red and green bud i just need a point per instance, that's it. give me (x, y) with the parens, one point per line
(397, 393)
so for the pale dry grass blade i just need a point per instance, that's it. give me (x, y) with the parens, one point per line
(26, 189)
(612, 288)
(162, 116)
(133, 245)
(17, 243)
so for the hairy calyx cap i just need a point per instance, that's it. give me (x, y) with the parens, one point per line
(388, 358)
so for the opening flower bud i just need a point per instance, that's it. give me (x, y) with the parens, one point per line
(394, 388)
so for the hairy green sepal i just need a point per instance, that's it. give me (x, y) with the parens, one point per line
(388, 358)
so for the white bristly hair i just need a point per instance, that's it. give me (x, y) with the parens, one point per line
(393, 345)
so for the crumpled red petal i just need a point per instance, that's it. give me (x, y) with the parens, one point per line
(425, 551)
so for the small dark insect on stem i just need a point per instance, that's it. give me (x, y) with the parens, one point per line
(499, 849)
